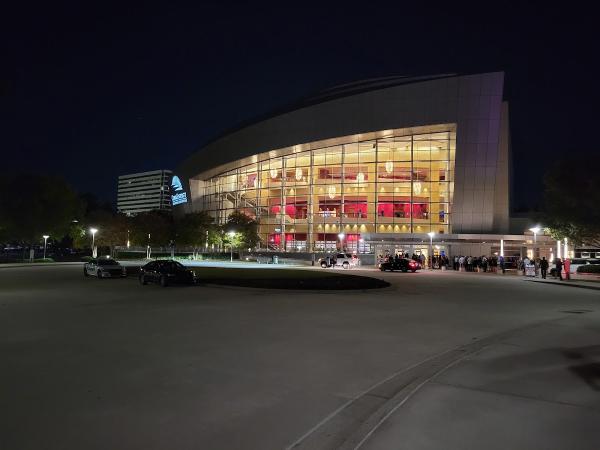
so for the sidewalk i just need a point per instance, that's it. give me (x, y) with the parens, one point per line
(537, 388)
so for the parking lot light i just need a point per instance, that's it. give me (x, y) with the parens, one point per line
(45, 241)
(431, 234)
(93, 231)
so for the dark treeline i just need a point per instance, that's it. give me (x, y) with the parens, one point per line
(35, 205)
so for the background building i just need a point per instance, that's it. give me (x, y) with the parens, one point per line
(145, 191)
(376, 163)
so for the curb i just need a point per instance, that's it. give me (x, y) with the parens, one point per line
(17, 266)
(561, 283)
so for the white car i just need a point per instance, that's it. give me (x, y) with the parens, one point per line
(104, 268)
(345, 260)
(575, 263)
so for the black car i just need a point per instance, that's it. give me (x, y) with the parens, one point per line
(403, 264)
(166, 272)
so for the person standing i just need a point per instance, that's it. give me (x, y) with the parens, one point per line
(525, 264)
(543, 267)
(502, 264)
(559, 267)
(567, 269)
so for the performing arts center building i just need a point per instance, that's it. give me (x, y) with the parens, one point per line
(371, 166)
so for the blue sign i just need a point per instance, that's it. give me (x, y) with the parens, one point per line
(178, 195)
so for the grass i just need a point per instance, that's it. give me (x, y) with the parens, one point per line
(285, 279)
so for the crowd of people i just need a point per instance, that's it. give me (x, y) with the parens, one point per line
(537, 266)
(479, 263)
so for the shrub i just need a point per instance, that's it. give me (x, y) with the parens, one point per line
(43, 260)
(589, 268)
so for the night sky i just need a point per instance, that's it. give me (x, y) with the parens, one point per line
(92, 93)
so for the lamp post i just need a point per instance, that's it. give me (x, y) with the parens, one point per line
(341, 236)
(231, 236)
(93, 231)
(431, 234)
(45, 241)
(535, 230)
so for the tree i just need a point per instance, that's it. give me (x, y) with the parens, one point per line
(196, 230)
(156, 224)
(245, 227)
(34, 205)
(113, 229)
(572, 201)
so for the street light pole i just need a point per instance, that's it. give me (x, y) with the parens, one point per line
(535, 231)
(431, 234)
(45, 241)
(231, 235)
(93, 231)
(341, 236)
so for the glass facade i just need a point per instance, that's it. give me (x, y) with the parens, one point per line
(304, 200)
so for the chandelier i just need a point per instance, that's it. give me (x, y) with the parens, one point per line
(331, 191)
(360, 177)
(298, 174)
(273, 173)
(389, 166)
(417, 187)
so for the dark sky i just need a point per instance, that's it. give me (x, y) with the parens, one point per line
(94, 92)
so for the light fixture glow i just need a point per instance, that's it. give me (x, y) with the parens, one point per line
(331, 191)
(417, 187)
(389, 166)
(274, 173)
(360, 177)
(299, 174)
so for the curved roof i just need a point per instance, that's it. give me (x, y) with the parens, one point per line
(344, 110)
(332, 93)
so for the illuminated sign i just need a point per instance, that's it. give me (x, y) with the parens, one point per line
(178, 196)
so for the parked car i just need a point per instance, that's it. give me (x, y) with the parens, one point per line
(403, 264)
(575, 263)
(345, 260)
(166, 272)
(104, 268)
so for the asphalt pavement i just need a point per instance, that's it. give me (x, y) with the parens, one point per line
(438, 360)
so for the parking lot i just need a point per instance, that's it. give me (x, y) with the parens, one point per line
(113, 364)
